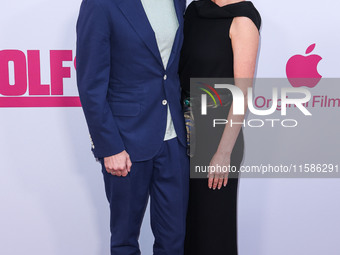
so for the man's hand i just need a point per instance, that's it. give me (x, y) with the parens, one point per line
(119, 164)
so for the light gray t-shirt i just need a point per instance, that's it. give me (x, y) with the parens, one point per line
(163, 20)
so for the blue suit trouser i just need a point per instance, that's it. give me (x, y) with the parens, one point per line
(165, 179)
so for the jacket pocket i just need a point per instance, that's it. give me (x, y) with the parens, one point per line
(124, 108)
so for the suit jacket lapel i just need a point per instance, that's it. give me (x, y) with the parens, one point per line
(179, 33)
(134, 12)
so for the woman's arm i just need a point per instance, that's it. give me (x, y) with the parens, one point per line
(244, 37)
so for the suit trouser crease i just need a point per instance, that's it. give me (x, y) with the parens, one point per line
(165, 178)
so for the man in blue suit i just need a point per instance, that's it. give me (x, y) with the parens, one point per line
(127, 64)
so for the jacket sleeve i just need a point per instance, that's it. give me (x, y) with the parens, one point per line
(93, 76)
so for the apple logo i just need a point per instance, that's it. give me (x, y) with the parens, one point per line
(302, 70)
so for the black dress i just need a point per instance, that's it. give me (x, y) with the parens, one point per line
(207, 53)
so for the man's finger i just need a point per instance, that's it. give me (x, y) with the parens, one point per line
(109, 170)
(118, 173)
(120, 167)
(124, 173)
(128, 164)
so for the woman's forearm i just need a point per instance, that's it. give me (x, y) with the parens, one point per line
(231, 131)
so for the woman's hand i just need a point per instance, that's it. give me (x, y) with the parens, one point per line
(219, 170)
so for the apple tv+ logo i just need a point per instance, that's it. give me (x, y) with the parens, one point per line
(302, 70)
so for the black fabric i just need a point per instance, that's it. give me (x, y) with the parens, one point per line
(207, 53)
(208, 9)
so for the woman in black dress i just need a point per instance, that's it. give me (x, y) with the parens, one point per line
(220, 41)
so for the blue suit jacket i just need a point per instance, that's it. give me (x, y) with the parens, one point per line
(121, 79)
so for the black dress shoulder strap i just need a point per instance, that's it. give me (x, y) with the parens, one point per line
(210, 10)
(247, 10)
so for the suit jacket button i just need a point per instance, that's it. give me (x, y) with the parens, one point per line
(164, 102)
